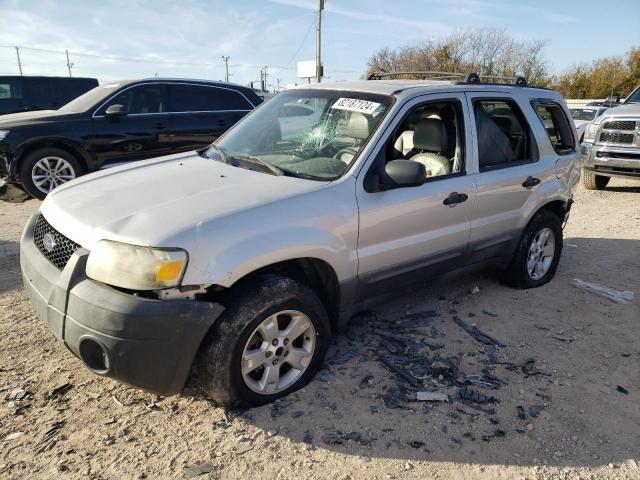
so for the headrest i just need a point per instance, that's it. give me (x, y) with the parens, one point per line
(430, 135)
(504, 124)
(357, 126)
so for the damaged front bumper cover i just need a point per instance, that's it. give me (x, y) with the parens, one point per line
(146, 343)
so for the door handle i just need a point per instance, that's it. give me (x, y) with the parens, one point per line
(530, 182)
(159, 125)
(455, 197)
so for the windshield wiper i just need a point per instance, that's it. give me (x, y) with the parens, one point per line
(258, 161)
(222, 153)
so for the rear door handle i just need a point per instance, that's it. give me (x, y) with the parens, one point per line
(159, 125)
(455, 197)
(530, 182)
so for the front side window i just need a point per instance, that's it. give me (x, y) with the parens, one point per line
(556, 125)
(318, 145)
(503, 134)
(142, 99)
(197, 98)
(431, 134)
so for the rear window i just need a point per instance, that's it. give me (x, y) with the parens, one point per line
(556, 125)
(200, 98)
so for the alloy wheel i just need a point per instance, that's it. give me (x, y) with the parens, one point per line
(50, 172)
(541, 253)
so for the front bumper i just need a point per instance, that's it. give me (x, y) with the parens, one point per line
(611, 161)
(145, 343)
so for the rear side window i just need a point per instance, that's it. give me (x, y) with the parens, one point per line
(503, 133)
(198, 98)
(10, 89)
(556, 124)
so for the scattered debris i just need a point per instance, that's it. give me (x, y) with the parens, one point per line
(14, 436)
(617, 296)
(564, 338)
(529, 369)
(198, 469)
(534, 410)
(491, 314)
(432, 397)
(366, 381)
(49, 440)
(621, 389)
(394, 398)
(272, 433)
(15, 394)
(521, 413)
(475, 290)
(307, 437)
(476, 333)
(471, 395)
(61, 390)
(336, 437)
(496, 434)
(416, 444)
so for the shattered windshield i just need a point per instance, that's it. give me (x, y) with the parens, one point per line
(314, 134)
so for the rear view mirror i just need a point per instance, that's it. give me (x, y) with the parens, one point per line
(403, 173)
(115, 111)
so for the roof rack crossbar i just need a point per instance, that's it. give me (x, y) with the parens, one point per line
(461, 78)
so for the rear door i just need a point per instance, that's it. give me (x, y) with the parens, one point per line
(510, 171)
(198, 114)
(142, 133)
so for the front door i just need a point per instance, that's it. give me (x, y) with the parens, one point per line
(412, 233)
(142, 133)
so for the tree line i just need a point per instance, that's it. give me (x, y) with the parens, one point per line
(494, 53)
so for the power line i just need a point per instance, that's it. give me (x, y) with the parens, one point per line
(313, 22)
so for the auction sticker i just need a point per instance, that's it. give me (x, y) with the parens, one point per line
(355, 105)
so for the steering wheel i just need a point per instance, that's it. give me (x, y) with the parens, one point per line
(346, 151)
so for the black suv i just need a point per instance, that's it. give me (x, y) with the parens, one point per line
(116, 122)
(23, 94)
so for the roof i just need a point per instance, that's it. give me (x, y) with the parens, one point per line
(200, 81)
(392, 87)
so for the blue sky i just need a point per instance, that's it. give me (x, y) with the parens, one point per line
(195, 34)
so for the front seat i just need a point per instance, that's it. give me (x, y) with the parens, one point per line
(429, 141)
(354, 133)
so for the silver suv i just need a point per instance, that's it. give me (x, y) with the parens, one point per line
(242, 259)
(611, 145)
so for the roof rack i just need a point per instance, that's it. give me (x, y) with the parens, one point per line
(459, 78)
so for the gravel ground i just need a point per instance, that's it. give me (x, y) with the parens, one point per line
(358, 418)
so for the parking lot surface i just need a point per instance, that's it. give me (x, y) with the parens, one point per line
(560, 385)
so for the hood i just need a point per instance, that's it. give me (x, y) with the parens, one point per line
(630, 110)
(30, 118)
(580, 123)
(160, 201)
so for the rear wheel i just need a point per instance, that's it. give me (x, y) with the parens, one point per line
(536, 259)
(47, 168)
(269, 342)
(591, 181)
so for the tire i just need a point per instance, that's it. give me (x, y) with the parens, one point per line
(518, 274)
(591, 181)
(70, 168)
(219, 362)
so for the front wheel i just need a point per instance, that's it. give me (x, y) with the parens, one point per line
(536, 259)
(591, 181)
(269, 342)
(47, 168)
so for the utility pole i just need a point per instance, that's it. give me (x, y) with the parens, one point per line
(69, 64)
(226, 68)
(264, 88)
(19, 63)
(318, 42)
(278, 80)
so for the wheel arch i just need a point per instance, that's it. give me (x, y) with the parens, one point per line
(71, 148)
(314, 272)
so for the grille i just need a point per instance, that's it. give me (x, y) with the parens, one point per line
(63, 247)
(620, 125)
(615, 137)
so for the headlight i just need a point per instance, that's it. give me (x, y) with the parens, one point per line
(136, 268)
(590, 133)
(3, 133)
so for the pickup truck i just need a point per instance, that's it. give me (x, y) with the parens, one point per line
(611, 145)
(239, 261)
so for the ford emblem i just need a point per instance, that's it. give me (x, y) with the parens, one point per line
(48, 242)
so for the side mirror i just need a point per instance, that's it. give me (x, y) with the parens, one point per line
(403, 173)
(115, 111)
